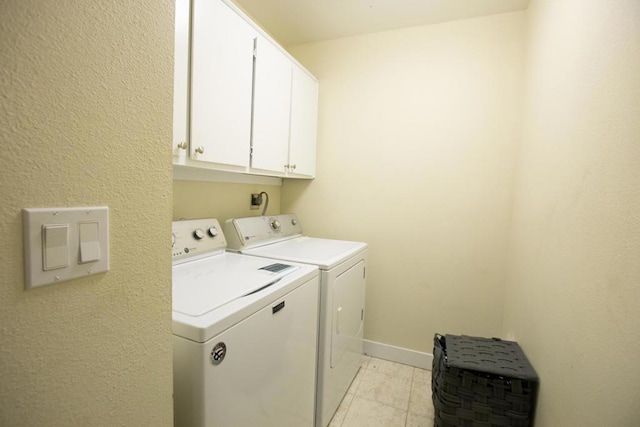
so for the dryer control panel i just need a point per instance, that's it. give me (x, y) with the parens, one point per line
(244, 233)
(196, 238)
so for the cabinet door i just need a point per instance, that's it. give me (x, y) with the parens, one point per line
(180, 141)
(304, 124)
(221, 79)
(271, 108)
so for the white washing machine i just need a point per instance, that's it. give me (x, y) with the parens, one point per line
(245, 333)
(342, 294)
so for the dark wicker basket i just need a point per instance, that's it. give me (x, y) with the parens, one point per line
(481, 382)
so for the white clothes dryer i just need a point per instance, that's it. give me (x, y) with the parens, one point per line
(244, 334)
(342, 295)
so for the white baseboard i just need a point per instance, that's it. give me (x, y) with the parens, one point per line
(402, 355)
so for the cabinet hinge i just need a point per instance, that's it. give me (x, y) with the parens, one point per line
(250, 151)
(255, 52)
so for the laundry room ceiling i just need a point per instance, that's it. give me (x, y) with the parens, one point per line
(293, 22)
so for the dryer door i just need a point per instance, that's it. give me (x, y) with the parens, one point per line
(348, 317)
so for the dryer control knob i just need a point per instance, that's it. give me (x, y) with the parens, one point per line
(275, 224)
(198, 234)
(213, 232)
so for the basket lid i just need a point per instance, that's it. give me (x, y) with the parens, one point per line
(488, 355)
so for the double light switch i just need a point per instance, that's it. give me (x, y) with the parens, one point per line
(65, 243)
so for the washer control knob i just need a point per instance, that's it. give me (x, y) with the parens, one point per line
(275, 224)
(198, 234)
(294, 222)
(212, 231)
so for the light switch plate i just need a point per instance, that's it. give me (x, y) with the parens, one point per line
(35, 220)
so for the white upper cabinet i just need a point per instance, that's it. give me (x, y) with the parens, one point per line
(241, 103)
(304, 125)
(180, 141)
(221, 80)
(271, 108)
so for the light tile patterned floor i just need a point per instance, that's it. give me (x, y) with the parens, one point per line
(387, 394)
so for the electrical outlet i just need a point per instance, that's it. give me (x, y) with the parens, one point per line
(256, 200)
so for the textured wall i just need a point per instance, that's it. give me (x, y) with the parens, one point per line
(418, 131)
(194, 199)
(85, 119)
(573, 294)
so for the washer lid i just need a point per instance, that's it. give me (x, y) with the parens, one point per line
(206, 284)
(325, 253)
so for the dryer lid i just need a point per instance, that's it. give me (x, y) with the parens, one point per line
(325, 253)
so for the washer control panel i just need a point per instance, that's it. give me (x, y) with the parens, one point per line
(196, 237)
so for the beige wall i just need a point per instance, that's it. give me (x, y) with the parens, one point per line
(418, 131)
(85, 119)
(194, 199)
(573, 295)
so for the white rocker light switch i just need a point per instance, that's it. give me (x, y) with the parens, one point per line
(55, 246)
(89, 241)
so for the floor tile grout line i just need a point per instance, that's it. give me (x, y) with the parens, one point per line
(377, 403)
(406, 415)
(346, 413)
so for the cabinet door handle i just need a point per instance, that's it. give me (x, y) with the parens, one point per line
(182, 145)
(200, 150)
(293, 167)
